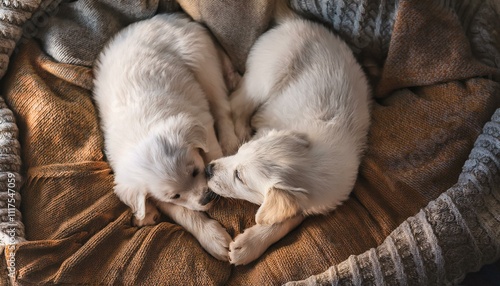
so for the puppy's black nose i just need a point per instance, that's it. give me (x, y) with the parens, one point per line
(208, 197)
(209, 170)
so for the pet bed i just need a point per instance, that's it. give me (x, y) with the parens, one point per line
(425, 209)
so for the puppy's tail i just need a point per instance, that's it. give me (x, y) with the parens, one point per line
(283, 12)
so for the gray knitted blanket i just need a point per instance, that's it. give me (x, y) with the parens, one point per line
(454, 234)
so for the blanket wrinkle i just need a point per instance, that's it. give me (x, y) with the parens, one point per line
(235, 24)
(428, 46)
(79, 31)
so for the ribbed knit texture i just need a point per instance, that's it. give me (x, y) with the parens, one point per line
(13, 15)
(11, 226)
(400, 225)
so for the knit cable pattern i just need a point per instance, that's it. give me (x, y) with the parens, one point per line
(365, 25)
(11, 226)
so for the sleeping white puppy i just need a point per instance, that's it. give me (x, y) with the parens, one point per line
(156, 84)
(308, 99)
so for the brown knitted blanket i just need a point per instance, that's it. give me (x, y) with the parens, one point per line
(438, 87)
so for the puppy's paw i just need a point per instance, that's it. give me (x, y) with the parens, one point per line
(243, 131)
(246, 247)
(152, 217)
(215, 239)
(229, 143)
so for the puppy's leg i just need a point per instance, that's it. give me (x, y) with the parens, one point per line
(152, 216)
(212, 236)
(209, 75)
(254, 241)
(213, 145)
(256, 87)
(243, 107)
(145, 211)
(231, 75)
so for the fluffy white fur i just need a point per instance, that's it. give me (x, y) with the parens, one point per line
(157, 84)
(308, 100)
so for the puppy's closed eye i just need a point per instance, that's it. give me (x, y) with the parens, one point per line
(237, 175)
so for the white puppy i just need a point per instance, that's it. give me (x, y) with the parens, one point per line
(308, 99)
(156, 84)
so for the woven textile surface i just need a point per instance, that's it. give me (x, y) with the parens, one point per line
(424, 211)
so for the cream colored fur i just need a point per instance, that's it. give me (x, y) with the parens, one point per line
(158, 87)
(308, 100)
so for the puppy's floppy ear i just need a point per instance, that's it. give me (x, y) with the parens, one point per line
(135, 199)
(196, 136)
(280, 203)
(294, 141)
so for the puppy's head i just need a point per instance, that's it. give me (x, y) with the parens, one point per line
(167, 166)
(267, 171)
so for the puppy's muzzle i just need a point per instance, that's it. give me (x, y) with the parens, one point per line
(208, 197)
(209, 170)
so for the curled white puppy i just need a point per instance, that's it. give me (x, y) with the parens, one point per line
(309, 102)
(157, 84)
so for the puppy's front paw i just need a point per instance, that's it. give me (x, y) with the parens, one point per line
(243, 131)
(215, 239)
(246, 247)
(229, 143)
(152, 217)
